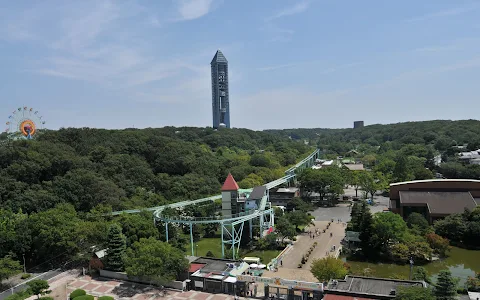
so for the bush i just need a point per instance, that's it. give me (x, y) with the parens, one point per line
(19, 295)
(105, 298)
(26, 276)
(76, 293)
(46, 298)
(209, 254)
(85, 297)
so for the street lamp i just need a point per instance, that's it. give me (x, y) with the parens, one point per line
(196, 250)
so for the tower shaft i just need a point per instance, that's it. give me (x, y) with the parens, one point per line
(220, 95)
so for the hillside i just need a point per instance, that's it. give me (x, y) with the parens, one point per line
(441, 133)
(136, 168)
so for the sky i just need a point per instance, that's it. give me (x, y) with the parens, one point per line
(292, 63)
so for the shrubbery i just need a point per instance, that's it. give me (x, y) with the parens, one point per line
(105, 298)
(26, 276)
(85, 297)
(76, 293)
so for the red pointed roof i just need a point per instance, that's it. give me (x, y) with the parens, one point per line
(230, 184)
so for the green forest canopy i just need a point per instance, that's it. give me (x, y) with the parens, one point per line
(134, 168)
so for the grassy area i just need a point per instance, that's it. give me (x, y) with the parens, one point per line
(265, 255)
(206, 244)
(215, 246)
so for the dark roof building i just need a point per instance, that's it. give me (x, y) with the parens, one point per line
(258, 193)
(368, 287)
(434, 198)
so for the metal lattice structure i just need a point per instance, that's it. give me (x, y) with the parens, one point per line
(232, 226)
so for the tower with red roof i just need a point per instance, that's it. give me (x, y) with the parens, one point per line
(230, 205)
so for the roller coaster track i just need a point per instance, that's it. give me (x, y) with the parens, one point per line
(290, 175)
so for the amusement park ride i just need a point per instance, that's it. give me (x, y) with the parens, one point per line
(239, 206)
(24, 123)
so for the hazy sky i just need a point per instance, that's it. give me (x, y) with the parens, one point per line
(293, 63)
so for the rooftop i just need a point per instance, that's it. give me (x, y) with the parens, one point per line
(219, 58)
(230, 184)
(343, 297)
(287, 190)
(215, 265)
(368, 286)
(435, 180)
(355, 167)
(439, 202)
(258, 193)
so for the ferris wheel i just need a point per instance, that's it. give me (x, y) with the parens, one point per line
(24, 123)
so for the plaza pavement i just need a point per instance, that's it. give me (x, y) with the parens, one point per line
(289, 268)
(120, 290)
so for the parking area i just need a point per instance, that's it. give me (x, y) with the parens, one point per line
(342, 211)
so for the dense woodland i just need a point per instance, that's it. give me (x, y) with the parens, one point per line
(55, 190)
(136, 168)
(405, 148)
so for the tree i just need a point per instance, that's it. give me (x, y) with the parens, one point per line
(417, 221)
(327, 182)
(440, 245)
(354, 180)
(419, 273)
(414, 293)
(446, 287)
(285, 229)
(328, 268)
(155, 261)
(369, 248)
(9, 267)
(388, 228)
(38, 287)
(116, 248)
(401, 171)
(137, 226)
(368, 183)
(298, 218)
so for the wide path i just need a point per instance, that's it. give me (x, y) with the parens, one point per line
(289, 267)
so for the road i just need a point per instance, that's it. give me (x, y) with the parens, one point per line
(23, 286)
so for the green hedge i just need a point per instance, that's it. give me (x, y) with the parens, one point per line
(105, 298)
(26, 276)
(76, 293)
(84, 297)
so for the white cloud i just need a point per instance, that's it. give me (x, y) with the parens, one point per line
(291, 10)
(194, 9)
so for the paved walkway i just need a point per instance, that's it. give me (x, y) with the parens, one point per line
(289, 269)
(120, 290)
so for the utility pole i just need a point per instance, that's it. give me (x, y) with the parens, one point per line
(411, 267)
(24, 265)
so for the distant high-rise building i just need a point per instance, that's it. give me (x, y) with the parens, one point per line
(220, 99)
(357, 124)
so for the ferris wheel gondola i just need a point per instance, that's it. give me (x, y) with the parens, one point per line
(24, 123)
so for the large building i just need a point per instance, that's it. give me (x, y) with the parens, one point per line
(434, 198)
(220, 96)
(357, 124)
(366, 288)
